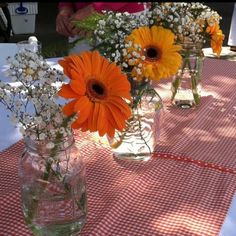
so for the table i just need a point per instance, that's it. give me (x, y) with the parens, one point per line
(188, 188)
(226, 53)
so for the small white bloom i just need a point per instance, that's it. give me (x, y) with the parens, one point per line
(33, 137)
(50, 145)
(143, 58)
(42, 136)
(125, 65)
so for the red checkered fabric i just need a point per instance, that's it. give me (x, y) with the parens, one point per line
(206, 133)
(164, 196)
(185, 189)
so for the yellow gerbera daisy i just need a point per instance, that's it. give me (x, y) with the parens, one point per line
(157, 46)
(97, 89)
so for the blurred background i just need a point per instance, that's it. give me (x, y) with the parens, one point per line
(55, 45)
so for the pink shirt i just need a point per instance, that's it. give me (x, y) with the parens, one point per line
(130, 7)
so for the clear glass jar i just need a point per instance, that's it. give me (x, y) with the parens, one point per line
(137, 141)
(35, 46)
(186, 83)
(53, 187)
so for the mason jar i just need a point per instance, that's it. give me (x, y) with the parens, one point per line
(142, 131)
(186, 84)
(53, 187)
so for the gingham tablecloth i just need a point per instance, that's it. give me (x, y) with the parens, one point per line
(207, 133)
(185, 189)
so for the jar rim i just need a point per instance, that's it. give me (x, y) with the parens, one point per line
(46, 146)
(191, 44)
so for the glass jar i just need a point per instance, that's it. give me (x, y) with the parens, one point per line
(186, 83)
(137, 141)
(53, 187)
(34, 46)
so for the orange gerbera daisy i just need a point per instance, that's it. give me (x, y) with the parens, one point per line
(98, 90)
(212, 28)
(217, 38)
(217, 42)
(157, 46)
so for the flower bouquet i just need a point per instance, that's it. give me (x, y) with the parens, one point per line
(51, 169)
(194, 24)
(191, 22)
(125, 39)
(145, 52)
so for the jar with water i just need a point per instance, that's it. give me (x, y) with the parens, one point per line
(53, 187)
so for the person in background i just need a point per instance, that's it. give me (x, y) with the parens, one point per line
(232, 32)
(5, 22)
(69, 11)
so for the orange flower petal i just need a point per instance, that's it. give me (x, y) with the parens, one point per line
(78, 85)
(83, 108)
(123, 89)
(90, 118)
(76, 61)
(63, 64)
(111, 72)
(111, 132)
(95, 117)
(103, 72)
(109, 118)
(102, 121)
(119, 118)
(67, 92)
(110, 123)
(122, 105)
(96, 61)
(68, 109)
(84, 126)
(86, 59)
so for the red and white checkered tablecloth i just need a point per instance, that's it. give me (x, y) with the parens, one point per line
(207, 133)
(165, 196)
(185, 189)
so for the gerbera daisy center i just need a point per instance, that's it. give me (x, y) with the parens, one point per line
(96, 90)
(152, 53)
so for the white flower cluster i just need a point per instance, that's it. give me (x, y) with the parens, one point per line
(188, 21)
(31, 97)
(111, 32)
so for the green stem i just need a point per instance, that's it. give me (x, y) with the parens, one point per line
(196, 96)
(194, 78)
(175, 85)
(35, 201)
(141, 134)
(177, 81)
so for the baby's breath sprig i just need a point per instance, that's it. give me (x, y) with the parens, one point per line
(189, 21)
(31, 97)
